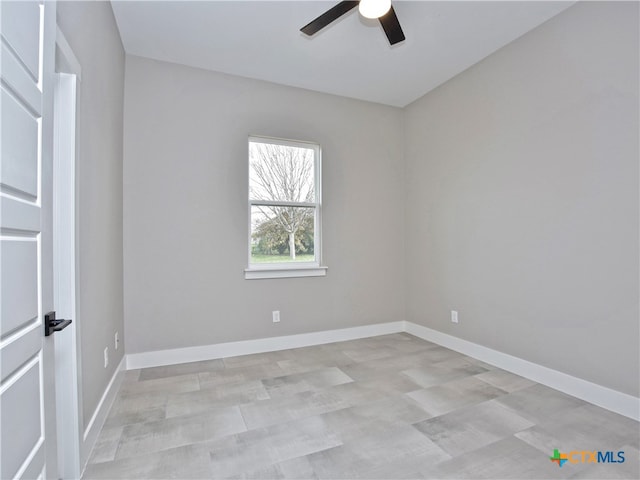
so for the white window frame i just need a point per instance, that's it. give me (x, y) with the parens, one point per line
(289, 269)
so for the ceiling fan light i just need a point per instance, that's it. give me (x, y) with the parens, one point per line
(374, 8)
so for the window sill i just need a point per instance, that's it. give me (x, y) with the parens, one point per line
(284, 272)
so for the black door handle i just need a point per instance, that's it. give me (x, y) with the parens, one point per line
(52, 325)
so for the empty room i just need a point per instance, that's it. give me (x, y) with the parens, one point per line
(320, 240)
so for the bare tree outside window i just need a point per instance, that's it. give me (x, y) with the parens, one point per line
(283, 202)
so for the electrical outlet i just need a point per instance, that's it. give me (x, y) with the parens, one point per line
(106, 357)
(454, 316)
(276, 316)
(116, 341)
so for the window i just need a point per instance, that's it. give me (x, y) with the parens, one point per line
(284, 209)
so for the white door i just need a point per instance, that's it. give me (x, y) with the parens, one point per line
(27, 389)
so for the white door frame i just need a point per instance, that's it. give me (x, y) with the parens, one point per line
(67, 344)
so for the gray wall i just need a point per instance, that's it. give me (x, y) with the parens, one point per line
(185, 209)
(516, 203)
(522, 198)
(91, 31)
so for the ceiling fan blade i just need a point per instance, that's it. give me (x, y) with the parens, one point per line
(392, 28)
(327, 17)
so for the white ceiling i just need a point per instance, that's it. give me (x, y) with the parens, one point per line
(351, 57)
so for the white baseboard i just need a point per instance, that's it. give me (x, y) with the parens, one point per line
(246, 347)
(604, 397)
(92, 430)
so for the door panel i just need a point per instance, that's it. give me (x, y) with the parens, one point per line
(19, 217)
(19, 146)
(21, 418)
(27, 393)
(13, 353)
(23, 36)
(19, 283)
(18, 79)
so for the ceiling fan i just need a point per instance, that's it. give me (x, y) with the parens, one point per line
(380, 9)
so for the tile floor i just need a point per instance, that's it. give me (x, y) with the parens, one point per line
(392, 407)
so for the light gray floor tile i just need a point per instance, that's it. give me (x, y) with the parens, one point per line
(371, 453)
(450, 396)
(401, 342)
(367, 370)
(149, 437)
(361, 372)
(346, 410)
(180, 383)
(606, 425)
(181, 369)
(239, 375)
(119, 419)
(128, 401)
(396, 344)
(438, 354)
(509, 382)
(187, 462)
(464, 362)
(442, 373)
(368, 353)
(294, 469)
(538, 403)
(136, 408)
(313, 358)
(353, 344)
(509, 459)
(396, 411)
(305, 382)
(286, 409)
(583, 428)
(390, 383)
(359, 393)
(106, 445)
(131, 376)
(256, 359)
(374, 418)
(327, 353)
(258, 449)
(405, 469)
(405, 343)
(419, 340)
(473, 427)
(376, 387)
(190, 403)
(291, 367)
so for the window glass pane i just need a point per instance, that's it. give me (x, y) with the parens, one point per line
(281, 173)
(275, 230)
